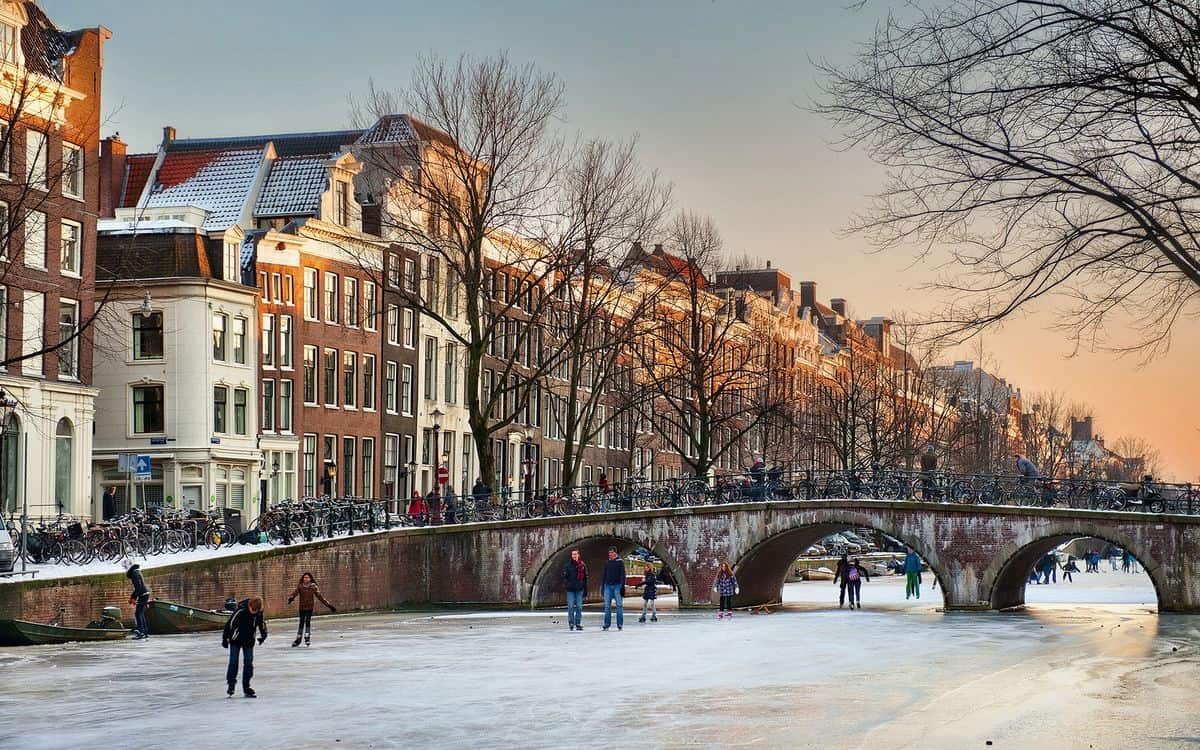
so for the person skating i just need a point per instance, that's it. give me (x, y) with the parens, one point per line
(614, 588)
(839, 575)
(1070, 568)
(307, 590)
(238, 637)
(912, 574)
(575, 581)
(140, 599)
(855, 575)
(726, 586)
(649, 594)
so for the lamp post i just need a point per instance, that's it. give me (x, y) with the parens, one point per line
(437, 426)
(529, 464)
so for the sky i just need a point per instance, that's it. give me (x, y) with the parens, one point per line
(716, 92)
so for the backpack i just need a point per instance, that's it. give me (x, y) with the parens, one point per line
(852, 573)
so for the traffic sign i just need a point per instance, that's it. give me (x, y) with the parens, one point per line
(141, 467)
(443, 475)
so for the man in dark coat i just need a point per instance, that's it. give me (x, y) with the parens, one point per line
(140, 598)
(575, 581)
(928, 467)
(613, 586)
(238, 637)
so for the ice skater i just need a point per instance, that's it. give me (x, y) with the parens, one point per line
(1070, 568)
(238, 637)
(575, 577)
(725, 586)
(649, 594)
(140, 598)
(840, 575)
(307, 590)
(855, 575)
(613, 588)
(912, 574)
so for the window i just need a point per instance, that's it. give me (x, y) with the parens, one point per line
(393, 269)
(218, 324)
(370, 306)
(277, 288)
(368, 467)
(289, 292)
(240, 396)
(342, 203)
(451, 372)
(3, 325)
(285, 341)
(239, 340)
(220, 408)
(389, 395)
(310, 375)
(331, 298)
(285, 406)
(72, 171)
(310, 294)
(5, 150)
(36, 159)
(393, 325)
(431, 352)
(268, 340)
(68, 339)
(368, 381)
(229, 485)
(406, 390)
(33, 330)
(410, 275)
(268, 406)
(410, 328)
(147, 335)
(64, 459)
(232, 262)
(5, 235)
(331, 377)
(431, 282)
(71, 249)
(391, 466)
(348, 465)
(310, 465)
(329, 452)
(350, 295)
(452, 294)
(10, 44)
(264, 286)
(349, 378)
(35, 239)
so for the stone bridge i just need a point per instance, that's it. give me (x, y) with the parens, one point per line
(980, 555)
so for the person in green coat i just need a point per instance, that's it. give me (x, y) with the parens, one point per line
(912, 574)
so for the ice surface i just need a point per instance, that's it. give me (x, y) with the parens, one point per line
(896, 674)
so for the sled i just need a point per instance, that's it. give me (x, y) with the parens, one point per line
(763, 609)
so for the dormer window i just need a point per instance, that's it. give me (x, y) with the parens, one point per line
(10, 43)
(341, 199)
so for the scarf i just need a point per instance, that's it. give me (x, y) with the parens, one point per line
(580, 570)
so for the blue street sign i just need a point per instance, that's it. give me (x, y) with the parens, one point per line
(141, 467)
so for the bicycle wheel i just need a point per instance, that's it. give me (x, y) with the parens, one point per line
(111, 550)
(837, 488)
(889, 489)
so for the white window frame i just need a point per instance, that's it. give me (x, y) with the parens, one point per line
(312, 295)
(66, 224)
(35, 236)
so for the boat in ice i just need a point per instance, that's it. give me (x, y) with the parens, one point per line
(817, 574)
(25, 633)
(169, 618)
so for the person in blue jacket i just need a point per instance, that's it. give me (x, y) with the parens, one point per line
(912, 574)
(613, 588)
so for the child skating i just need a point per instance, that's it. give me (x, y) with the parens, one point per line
(649, 594)
(726, 586)
(307, 590)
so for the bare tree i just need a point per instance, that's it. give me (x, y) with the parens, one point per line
(1135, 458)
(1047, 147)
(1046, 432)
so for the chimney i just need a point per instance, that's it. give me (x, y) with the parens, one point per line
(768, 264)
(658, 249)
(808, 295)
(112, 173)
(168, 135)
(839, 306)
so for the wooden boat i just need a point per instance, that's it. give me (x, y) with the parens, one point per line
(25, 633)
(817, 574)
(168, 618)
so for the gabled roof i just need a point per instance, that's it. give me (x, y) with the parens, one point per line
(319, 143)
(293, 187)
(403, 129)
(43, 44)
(218, 181)
(137, 171)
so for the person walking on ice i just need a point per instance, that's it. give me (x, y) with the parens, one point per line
(613, 587)
(840, 575)
(725, 586)
(140, 598)
(307, 590)
(649, 594)
(912, 574)
(238, 637)
(575, 583)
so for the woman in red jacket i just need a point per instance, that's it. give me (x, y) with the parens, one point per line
(416, 509)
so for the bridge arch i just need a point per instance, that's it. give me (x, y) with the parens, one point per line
(762, 569)
(1009, 572)
(545, 585)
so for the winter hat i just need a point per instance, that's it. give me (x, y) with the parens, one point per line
(127, 564)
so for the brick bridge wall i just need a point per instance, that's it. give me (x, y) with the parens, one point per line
(980, 556)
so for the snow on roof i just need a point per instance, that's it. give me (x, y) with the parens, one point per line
(293, 187)
(218, 181)
(404, 129)
(321, 143)
(148, 226)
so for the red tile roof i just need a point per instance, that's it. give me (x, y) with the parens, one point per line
(181, 166)
(137, 170)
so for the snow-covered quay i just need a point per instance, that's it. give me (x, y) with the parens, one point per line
(896, 674)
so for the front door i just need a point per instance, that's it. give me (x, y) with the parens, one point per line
(192, 496)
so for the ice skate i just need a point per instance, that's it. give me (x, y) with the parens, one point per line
(296, 642)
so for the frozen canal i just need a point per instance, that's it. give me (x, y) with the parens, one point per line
(894, 675)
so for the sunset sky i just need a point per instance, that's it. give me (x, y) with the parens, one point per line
(716, 91)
